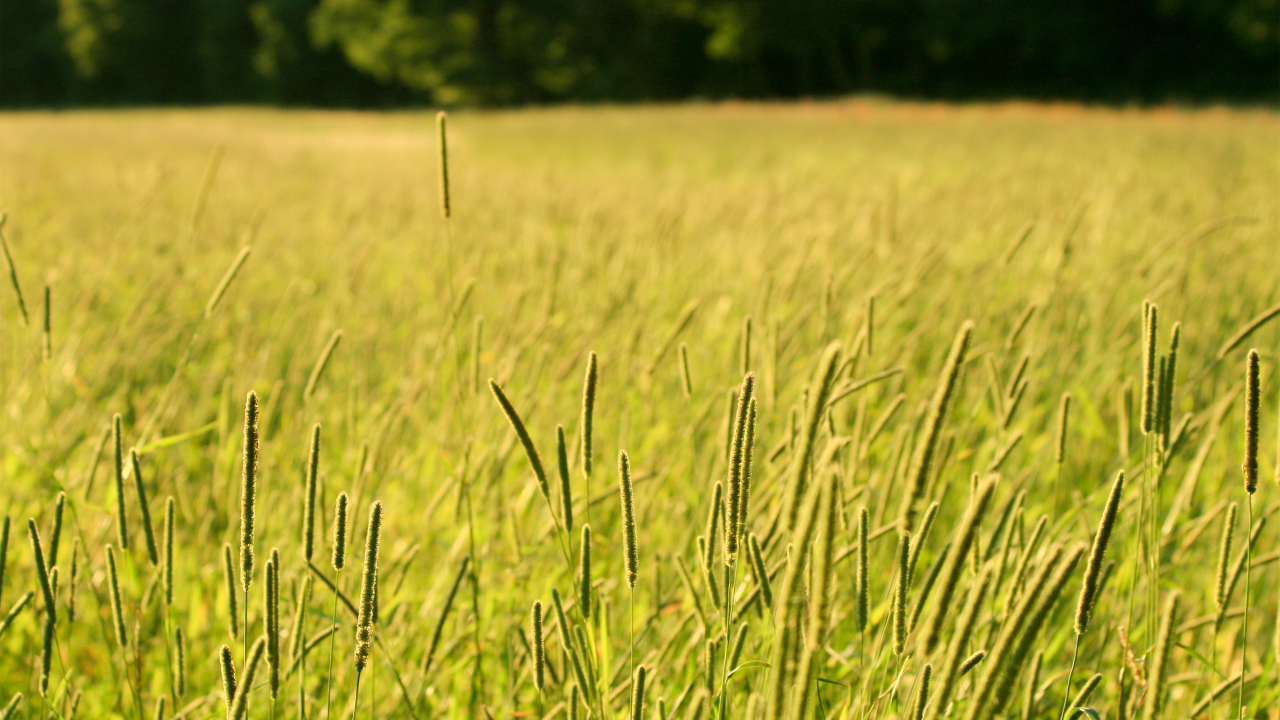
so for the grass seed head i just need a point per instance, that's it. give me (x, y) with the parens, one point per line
(248, 490)
(1149, 368)
(179, 661)
(477, 342)
(444, 612)
(539, 648)
(1024, 561)
(271, 621)
(952, 668)
(861, 592)
(42, 572)
(748, 453)
(4, 549)
(971, 662)
(900, 595)
(922, 456)
(297, 644)
(584, 572)
(117, 605)
(737, 467)
(240, 705)
(1170, 380)
(166, 569)
(122, 517)
(637, 695)
(226, 280)
(55, 535)
(921, 699)
(1089, 588)
(443, 139)
(1153, 708)
(802, 461)
(317, 371)
(14, 611)
(46, 656)
(228, 666)
(566, 488)
(1033, 679)
(714, 511)
(1064, 414)
(588, 411)
(229, 572)
(309, 498)
(72, 580)
(626, 493)
(760, 571)
(1086, 691)
(1224, 555)
(148, 531)
(870, 322)
(368, 583)
(339, 556)
(531, 452)
(966, 534)
(921, 536)
(1252, 399)
(739, 644)
(686, 380)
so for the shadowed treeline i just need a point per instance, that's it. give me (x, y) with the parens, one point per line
(377, 53)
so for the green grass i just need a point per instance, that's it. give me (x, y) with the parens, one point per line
(592, 229)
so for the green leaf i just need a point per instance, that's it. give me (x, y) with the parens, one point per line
(1204, 662)
(749, 665)
(175, 439)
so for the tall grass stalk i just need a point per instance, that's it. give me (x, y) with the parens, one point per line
(948, 673)
(566, 487)
(1250, 467)
(338, 559)
(801, 465)
(1089, 586)
(148, 531)
(248, 506)
(240, 706)
(13, 270)
(4, 551)
(535, 461)
(586, 428)
(368, 585)
(1008, 656)
(786, 644)
(317, 371)
(1060, 447)
(444, 614)
(122, 516)
(629, 551)
(539, 650)
(1153, 707)
(926, 446)
(966, 532)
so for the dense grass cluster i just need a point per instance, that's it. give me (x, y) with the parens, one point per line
(887, 389)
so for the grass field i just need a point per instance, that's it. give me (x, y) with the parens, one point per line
(637, 233)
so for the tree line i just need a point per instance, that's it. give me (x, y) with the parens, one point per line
(380, 53)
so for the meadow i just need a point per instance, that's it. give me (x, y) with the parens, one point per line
(839, 497)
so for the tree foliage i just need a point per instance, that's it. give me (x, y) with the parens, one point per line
(492, 52)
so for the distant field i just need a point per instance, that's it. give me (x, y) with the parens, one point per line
(647, 235)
